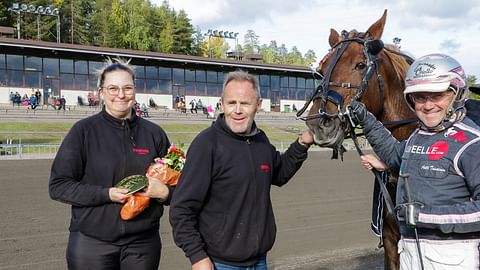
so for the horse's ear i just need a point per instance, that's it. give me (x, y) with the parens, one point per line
(334, 37)
(376, 30)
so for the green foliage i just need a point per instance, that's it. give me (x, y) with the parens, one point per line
(139, 25)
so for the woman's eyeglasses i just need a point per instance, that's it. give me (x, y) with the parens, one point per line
(115, 89)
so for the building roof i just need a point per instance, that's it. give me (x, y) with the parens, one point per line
(145, 55)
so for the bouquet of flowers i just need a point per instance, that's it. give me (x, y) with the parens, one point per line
(166, 169)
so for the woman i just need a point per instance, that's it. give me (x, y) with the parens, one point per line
(96, 154)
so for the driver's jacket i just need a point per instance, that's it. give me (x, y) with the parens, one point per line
(443, 171)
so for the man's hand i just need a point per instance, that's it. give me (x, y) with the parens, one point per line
(155, 189)
(357, 113)
(370, 161)
(409, 212)
(204, 264)
(306, 139)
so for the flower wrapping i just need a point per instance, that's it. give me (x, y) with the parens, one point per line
(166, 169)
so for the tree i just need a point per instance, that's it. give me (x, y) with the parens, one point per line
(182, 34)
(76, 20)
(294, 57)
(162, 25)
(251, 42)
(309, 57)
(138, 33)
(100, 31)
(198, 39)
(7, 17)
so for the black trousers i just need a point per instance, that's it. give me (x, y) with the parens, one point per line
(85, 252)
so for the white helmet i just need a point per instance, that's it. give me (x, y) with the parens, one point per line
(436, 73)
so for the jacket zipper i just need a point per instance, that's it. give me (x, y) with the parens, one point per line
(254, 183)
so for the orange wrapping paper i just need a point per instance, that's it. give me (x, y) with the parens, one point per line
(136, 204)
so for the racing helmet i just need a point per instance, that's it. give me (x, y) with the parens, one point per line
(436, 73)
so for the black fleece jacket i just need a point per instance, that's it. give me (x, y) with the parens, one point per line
(96, 154)
(221, 207)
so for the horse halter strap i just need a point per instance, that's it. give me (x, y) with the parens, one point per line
(324, 92)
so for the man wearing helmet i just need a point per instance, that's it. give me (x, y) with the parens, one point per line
(438, 191)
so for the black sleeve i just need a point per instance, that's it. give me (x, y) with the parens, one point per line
(188, 199)
(288, 163)
(67, 171)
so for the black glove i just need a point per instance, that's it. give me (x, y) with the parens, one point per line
(408, 212)
(357, 113)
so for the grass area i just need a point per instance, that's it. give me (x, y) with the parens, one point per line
(53, 132)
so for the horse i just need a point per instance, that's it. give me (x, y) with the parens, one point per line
(359, 66)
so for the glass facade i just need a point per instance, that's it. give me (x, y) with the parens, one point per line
(80, 74)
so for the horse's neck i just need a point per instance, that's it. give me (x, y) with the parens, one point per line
(392, 114)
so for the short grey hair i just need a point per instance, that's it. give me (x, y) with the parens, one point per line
(241, 75)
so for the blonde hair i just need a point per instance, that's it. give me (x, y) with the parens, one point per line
(114, 65)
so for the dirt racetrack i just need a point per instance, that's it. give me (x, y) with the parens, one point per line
(323, 219)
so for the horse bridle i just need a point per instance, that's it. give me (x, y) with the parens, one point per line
(323, 91)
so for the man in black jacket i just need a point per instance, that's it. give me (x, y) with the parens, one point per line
(221, 212)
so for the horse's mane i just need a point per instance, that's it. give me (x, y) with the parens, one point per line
(400, 61)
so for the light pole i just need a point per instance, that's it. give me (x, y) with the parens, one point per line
(396, 41)
(39, 11)
(221, 34)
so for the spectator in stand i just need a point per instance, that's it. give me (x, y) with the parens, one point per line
(144, 110)
(38, 95)
(210, 112)
(12, 98)
(18, 99)
(193, 106)
(200, 105)
(80, 101)
(26, 101)
(33, 102)
(51, 102)
(62, 103)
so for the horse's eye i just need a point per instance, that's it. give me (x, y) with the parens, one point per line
(360, 66)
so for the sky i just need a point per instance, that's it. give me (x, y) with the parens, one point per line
(426, 26)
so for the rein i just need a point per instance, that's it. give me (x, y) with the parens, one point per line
(323, 91)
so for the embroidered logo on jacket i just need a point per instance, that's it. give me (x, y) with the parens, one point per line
(265, 168)
(435, 151)
(458, 136)
(140, 151)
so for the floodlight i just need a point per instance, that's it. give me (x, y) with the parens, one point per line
(31, 8)
(24, 7)
(40, 9)
(48, 10)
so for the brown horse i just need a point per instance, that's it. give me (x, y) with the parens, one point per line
(358, 66)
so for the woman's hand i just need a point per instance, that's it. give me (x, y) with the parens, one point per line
(118, 195)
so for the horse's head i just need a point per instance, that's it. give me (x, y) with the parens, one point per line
(350, 70)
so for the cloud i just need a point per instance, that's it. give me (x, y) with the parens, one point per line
(438, 15)
(450, 46)
(208, 14)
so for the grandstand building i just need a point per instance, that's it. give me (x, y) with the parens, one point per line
(69, 70)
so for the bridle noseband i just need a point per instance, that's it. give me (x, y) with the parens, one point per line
(326, 94)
